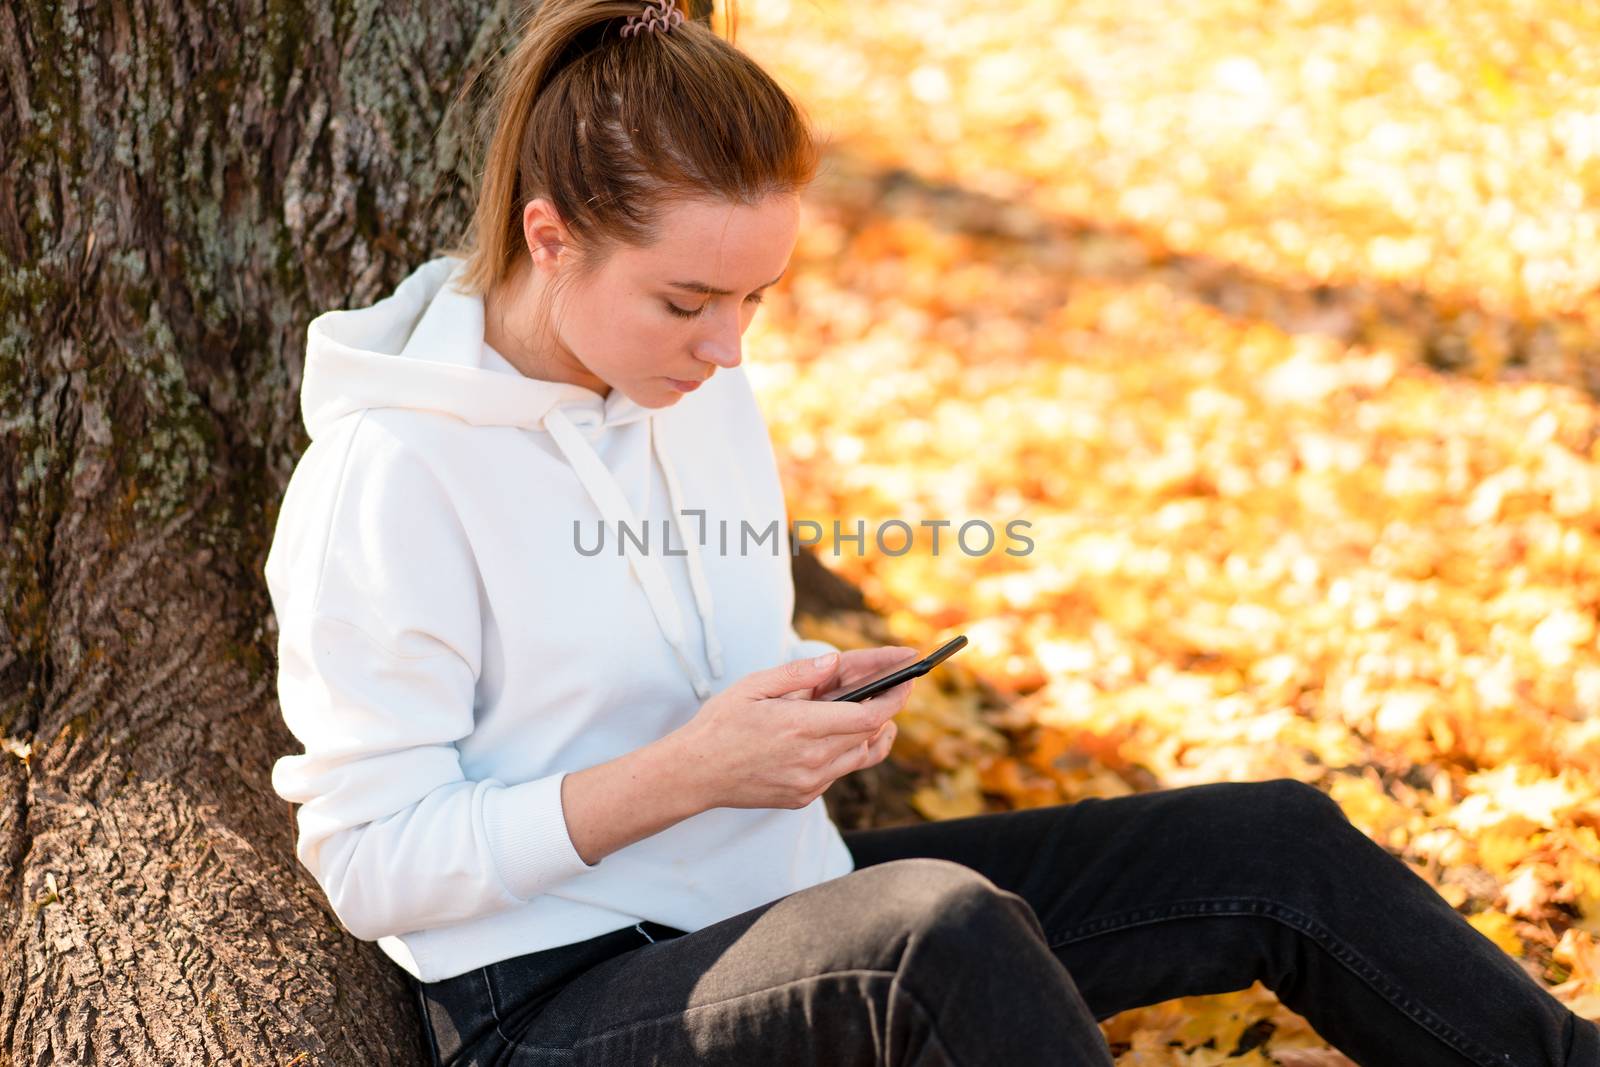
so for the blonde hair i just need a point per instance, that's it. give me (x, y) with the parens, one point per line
(611, 129)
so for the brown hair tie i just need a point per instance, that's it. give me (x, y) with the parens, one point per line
(661, 18)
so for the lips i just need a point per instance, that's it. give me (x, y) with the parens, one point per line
(688, 386)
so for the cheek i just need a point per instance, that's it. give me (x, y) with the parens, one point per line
(599, 331)
(650, 339)
(611, 337)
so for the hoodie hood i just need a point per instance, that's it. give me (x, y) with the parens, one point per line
(422, 348)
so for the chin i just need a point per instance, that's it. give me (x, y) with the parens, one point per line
(664, 397)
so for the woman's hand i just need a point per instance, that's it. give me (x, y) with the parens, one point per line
(765, 743)
(857, 665)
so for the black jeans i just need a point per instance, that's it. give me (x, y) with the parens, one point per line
(1002, 938)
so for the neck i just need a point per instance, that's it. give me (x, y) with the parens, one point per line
(510, 311)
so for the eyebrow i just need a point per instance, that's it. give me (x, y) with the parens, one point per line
(711, 290)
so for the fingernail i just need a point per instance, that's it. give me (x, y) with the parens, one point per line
(825, 660)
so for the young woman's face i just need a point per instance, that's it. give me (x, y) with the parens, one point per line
(675, 311)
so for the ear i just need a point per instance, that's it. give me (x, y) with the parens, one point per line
(544, 233)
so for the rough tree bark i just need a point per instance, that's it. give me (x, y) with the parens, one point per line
(183, 184)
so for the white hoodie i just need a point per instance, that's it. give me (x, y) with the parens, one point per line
(447, 654)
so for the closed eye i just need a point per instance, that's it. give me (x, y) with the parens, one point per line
(694, 313)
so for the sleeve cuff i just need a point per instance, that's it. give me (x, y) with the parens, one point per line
(528, 838)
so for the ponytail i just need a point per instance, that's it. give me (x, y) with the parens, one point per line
(612, 128)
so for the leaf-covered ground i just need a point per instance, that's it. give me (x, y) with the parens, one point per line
(1278, 323)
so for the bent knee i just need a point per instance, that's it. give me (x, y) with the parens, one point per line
(1290, 798)
(939, 898)
(925, 883)
(1279, 815)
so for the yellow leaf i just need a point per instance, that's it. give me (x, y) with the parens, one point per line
(951, 795)
(1499, 928)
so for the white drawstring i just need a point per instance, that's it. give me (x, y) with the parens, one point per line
(602, 488)
(697, 575)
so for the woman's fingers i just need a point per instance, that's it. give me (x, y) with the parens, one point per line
(862, 754)
(878, 749)
(831, 718)
(863, 664)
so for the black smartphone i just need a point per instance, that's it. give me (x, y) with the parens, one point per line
(888, 681)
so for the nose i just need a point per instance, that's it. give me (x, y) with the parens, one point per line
(723, 353)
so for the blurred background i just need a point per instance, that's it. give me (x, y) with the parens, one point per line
(1277, 321)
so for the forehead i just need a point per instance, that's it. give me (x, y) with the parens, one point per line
(722, 243)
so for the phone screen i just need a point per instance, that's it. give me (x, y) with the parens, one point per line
(889, 679)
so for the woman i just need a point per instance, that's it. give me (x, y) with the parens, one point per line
(568, 776)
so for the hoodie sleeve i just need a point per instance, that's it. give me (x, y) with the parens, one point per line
(378, 660)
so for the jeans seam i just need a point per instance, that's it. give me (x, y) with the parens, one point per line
(618, 1031)
(1321, 935)
(434, 1059)
(916, 1002)
(494, 1002)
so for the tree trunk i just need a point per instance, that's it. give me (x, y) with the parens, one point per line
(182, 186)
